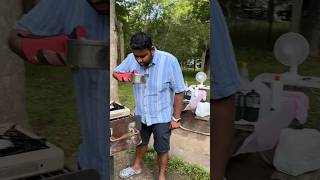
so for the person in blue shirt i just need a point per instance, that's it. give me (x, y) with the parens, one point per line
(159, 101)
(225, 83)
(53, 17)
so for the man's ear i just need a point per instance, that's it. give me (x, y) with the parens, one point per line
(152, 49)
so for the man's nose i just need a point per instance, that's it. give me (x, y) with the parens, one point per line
(139, 60)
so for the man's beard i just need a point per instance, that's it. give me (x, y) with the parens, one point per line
(147, 64)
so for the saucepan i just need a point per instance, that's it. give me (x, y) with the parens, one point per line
(138, 78)
(87, 54)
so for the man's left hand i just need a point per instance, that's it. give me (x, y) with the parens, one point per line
(174, 124)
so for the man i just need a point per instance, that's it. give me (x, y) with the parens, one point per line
(225, 82)
(54, 17)
(159, 101)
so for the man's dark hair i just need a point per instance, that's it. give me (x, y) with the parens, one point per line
(140, 41)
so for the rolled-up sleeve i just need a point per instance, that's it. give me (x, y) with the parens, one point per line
(225, 77)
(125, 65)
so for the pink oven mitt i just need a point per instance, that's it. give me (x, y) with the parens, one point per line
(120, 76)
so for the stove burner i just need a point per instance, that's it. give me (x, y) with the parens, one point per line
(19, 143)
(5, 144)
(115, 106)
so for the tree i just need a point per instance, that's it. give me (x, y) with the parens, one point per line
(180, 27)
(12, 70)
(310, 26)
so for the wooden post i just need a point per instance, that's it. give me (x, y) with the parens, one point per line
(12, 69)
(113, 51)
(296, 15)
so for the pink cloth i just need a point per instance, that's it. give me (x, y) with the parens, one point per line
(194, 102)
(294, 105)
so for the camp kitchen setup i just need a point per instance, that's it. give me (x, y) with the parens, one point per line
(124, 126)
(124, 131)
(269, 104)
(24, 155)
(196, 113)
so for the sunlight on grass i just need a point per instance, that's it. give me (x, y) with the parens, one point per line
(179, 166)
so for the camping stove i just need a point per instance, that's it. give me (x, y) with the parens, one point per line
(118, 111)
(124, 131)
(23, 154)
(124, 128)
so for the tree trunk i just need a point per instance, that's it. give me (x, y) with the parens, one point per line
(12, 70)
(121, 41)
(113, 51)
(296, 16)
(310, 26)
(270, 19)
(226, 6)
(206, 62)
(203, 56)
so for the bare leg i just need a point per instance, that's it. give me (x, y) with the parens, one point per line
(140, 151)
(163, 163)
(222, 131)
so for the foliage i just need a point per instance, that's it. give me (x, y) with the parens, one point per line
(180, 27)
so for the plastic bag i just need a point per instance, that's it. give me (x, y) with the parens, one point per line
(203, 109)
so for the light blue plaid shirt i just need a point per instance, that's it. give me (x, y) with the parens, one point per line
(224, 71)
(154, 99)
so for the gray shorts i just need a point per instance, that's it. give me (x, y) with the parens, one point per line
(161, 134)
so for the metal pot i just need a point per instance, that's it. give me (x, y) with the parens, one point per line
(138, 78)
(87, 54)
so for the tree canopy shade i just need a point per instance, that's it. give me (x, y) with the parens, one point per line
(180, 27)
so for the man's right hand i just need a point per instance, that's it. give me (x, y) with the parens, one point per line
(126, 80)
(122, 77)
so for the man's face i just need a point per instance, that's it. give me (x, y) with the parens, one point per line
(143, 57)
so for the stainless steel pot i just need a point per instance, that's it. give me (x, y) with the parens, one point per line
(138, 78)
(87, 54)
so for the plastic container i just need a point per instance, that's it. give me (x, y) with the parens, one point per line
(244, 73)
(277, 88)
(240, 105)
(252, 106)
(244, 77)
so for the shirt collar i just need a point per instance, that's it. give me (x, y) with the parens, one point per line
(155, 58)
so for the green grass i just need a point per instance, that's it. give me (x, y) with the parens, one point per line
(51, 106)
(191, 171)
(175, 165)
(126, 95)
(248, 35)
